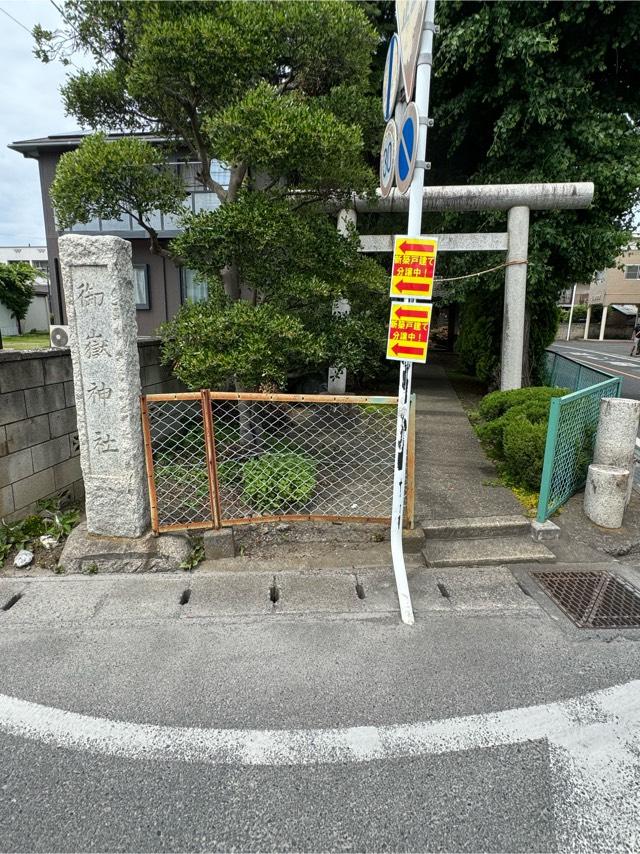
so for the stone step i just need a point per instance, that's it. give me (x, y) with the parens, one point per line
(475, 527)
(485, 552)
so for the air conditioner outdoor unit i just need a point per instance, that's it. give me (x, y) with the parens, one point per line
(59, 336)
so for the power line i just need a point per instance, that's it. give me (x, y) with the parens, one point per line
(16, 21)
(27, 30)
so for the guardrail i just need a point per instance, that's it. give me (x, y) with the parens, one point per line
(573, 421)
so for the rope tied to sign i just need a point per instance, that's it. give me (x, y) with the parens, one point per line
(480, 272)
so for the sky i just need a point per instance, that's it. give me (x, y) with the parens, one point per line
(30, 106)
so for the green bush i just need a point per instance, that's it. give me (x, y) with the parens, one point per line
(523, 449)
(513, 430)
(229, 472)
(535, 410)
(498, 402)
(275, 482)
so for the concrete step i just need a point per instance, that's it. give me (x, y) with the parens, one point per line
(475, 527)
(485, 552)
(312, 558)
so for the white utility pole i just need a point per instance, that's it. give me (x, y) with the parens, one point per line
(414, 229)
(573, 302)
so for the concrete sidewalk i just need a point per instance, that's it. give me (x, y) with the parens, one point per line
(452, 470)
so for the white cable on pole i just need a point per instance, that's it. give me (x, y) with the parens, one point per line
(414, 227)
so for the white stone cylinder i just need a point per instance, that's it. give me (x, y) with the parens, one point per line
(97, 275)
(617, 431)
(605, 495)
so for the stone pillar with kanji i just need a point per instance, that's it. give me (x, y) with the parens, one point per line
(97, 276)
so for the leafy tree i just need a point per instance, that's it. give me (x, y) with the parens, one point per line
(16, 289)
(538, 92)
(275, 90)
(521, 91)
(129, 177)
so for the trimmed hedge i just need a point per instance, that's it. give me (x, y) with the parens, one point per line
(513, 429)
(498, 402)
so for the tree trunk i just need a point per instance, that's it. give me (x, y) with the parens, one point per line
(231, 282)
(249, 422)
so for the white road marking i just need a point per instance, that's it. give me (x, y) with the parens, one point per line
(597, 354)
(593, 742)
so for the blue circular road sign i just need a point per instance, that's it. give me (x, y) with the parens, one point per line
(407, 147)
(388, 158)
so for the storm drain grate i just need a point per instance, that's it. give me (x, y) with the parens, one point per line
(593, 599)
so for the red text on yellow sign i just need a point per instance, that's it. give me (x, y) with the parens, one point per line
(414, 265)
(408, 332)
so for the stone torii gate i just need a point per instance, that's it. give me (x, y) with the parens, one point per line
(517, 200)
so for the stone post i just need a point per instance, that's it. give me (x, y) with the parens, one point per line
(610, 477)
(605, 495)
(515, 296)
(617, 430)
(337, 380)
(97, 276)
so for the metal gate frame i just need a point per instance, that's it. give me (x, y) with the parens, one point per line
(205, 396)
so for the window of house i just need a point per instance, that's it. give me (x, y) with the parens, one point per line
(92, 225)
(121, 223)
(632, 271)
(141, 285)
(205, 202)
(194, 289)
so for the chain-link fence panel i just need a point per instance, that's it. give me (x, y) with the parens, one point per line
(304, 457)
(223, 459)
(175, 450)
(573, 422)
(563, 372)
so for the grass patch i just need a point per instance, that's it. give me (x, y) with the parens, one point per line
(527, 497)
(29, 341)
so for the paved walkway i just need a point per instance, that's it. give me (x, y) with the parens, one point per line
(453, 474)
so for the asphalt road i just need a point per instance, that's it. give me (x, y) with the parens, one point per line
(129, 722)
(610, 356)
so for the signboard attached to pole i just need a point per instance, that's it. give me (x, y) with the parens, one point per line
(410, 16)
(408, 331)
(407, 148)
(414, 266)
(391, 80)
(388, 158)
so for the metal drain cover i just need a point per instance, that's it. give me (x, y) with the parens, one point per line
(592, 599)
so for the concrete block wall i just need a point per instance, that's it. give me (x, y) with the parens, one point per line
(155, 378)
(39, 453)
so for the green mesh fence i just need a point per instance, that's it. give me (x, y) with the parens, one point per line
(565, 373)
(573, 421)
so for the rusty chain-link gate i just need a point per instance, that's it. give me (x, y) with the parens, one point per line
(219, 458)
